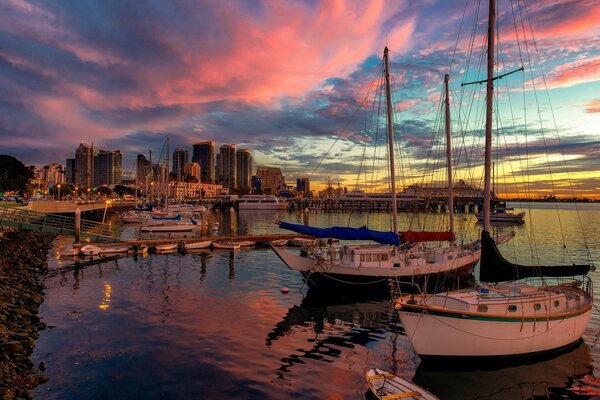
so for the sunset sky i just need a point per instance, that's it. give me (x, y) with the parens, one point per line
(284, 78)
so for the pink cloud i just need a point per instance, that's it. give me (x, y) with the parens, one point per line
(573, 73)
(593, 106)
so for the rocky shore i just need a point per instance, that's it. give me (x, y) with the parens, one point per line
(23, 263)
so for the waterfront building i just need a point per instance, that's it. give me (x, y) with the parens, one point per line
(70, 171)
(226, 166)
(84, 171)
(143, 172)
(180, 164)
(195, 170)
(203, 153)
(108, 168)
(256, 184)
(303, 186)
(243, 170)
(271, 179)
(195, 190)
(461, 190)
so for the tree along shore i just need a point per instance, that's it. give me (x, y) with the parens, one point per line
(23, 264)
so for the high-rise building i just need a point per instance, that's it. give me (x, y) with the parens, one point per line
(272, 180)
(226, 168)
(180, 164)
(243, 170)
(84, 171)
(143, 174)
(203, 153)
(108, 168)
(70, 172)
(303, 185)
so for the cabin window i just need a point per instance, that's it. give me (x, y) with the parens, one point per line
(482, 308)
(556, 303)
(537, 306)
(512, 308)
(368, 257)
(384, 257)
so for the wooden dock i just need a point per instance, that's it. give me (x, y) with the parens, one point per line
(157, 242)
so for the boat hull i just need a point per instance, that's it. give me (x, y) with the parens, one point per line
(474, 333)
(168, 228)
(335, 276)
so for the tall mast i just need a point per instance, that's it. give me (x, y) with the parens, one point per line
(449, 155)
(167, 177)
(488, 118)
(390, 129)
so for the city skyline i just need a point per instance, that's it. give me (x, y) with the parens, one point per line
(279, 78)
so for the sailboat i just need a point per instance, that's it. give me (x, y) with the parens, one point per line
(370, 266)
(167, 223)
(504, 316)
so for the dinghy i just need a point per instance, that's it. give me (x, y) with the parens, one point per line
(386, 386)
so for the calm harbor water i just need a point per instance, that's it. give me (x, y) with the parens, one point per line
(214, 324)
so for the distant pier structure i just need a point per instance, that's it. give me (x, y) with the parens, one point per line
(467, 198)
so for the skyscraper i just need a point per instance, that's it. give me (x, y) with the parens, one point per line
(303, 185)
(272, 180)
(108, 168)
(143, 174)
(243, 170)
(226, 168)
(180, 164)
(84, 166)
(70, 174)
(203, 153)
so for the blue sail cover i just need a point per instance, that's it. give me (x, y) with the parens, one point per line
(343, 233)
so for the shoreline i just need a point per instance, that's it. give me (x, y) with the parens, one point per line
(23, 265)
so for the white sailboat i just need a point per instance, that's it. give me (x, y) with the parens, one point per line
(504, 316)
(167, 223)
(368, 267)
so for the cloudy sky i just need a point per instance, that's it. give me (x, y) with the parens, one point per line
(288, 79)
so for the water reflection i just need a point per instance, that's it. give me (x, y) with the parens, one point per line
(328, 325)
(542, 379)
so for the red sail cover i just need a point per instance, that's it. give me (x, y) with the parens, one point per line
(410, 236)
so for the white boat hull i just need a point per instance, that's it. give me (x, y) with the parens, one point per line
(197, 245)
(114, 249)
(226, 245)
(90, 250)
(166, 227)
(468, 331)
(263, 206)
(374, 269)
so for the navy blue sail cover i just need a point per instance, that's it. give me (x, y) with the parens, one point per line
(343, 233)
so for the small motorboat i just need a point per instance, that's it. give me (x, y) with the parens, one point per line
(226, 245)
(166, 247)
(197, 245)
(114, 249)
(138, 249)
(385, 385)
(279, 242)
(90, 250)
(246, 243)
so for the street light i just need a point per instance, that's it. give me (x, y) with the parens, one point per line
(76, 193)
(88, 195)
(59, 192)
